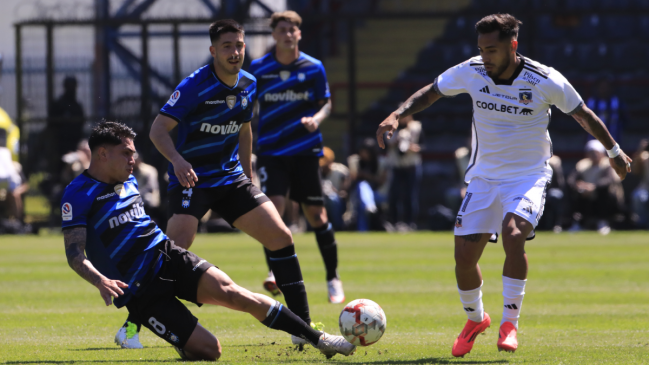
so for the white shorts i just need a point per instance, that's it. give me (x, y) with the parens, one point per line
(487, 202)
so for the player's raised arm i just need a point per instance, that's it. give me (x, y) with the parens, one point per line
(620, 162)
(160, 137)
(419, 101)
(75, 245)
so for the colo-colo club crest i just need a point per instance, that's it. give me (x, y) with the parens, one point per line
(230, 100)
(525, 96)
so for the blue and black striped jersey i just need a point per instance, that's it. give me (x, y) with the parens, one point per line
(120, 237)
(209, 116)
(286, 94)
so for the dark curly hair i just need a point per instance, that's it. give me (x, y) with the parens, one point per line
(507, 25)
(107, 132)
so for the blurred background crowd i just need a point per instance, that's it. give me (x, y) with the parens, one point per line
(67, 64)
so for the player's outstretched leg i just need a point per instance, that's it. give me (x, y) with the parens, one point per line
(266, 226)
(325, 236)
(216, 287)
(128, 336)
(515, 230)
(468, 250)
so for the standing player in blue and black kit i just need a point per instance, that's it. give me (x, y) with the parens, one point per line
(130, 259)
(210, 164)
(293, 96)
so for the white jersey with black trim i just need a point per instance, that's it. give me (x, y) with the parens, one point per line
(510, 136)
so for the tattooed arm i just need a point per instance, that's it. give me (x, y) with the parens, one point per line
(419, 101)
(75, 245)
(593, 125)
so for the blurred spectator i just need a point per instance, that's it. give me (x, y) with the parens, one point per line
(640, 197)
(11, 134)
(75, 162)
(597, 193)
(554, 199)
(404, 159)
(12, 184)
(335, 186)
(608, 108)
(368, 172)
(64, 125)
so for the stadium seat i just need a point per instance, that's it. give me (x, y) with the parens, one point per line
(589, 27)
(546, 30)
(619, 26)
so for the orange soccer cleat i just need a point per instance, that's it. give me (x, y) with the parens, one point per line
(507, 338)
(464, 342)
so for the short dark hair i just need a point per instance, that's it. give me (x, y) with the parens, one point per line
(108, 132)
(287, 16)
(506, 24)
(223, 26)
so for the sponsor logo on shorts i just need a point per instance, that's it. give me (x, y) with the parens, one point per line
(173, 338)
(199, 264)
(458, 221)
(528, 210)
(259, 195)
(186, 203)
(66, 212)
(466, 201)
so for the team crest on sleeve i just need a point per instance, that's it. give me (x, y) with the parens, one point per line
(230, 100)
(66, 212)
(174, 98)
(525, 96)
(301, 76)
(244, 101)
(284, 75)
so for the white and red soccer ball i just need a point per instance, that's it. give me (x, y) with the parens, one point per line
(362, 322)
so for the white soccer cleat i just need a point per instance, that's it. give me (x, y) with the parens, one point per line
(336, 293)
(331, 345)
(127, 337)
(300, 342)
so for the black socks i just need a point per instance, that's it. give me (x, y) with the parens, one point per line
(288, 277)
(328, 249)
(281, 318)
(133, 319)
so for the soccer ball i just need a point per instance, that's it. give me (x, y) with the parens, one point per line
(362, 322)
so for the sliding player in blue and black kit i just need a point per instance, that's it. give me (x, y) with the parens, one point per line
(293, 97)
(210, 165)
(130, 259)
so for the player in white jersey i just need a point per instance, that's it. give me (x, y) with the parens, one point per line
(508, 172)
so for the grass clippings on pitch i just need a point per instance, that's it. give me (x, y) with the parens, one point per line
(587, 302)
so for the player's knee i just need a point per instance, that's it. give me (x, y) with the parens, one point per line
(281, 238)
(465, 258)
(211, 351)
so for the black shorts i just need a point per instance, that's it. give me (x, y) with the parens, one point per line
(299, 175)
(229, 201)
(158, 307)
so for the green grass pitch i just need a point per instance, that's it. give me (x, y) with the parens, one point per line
(587, 302)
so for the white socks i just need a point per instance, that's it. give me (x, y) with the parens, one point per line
(472, 303)
(513, 293)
